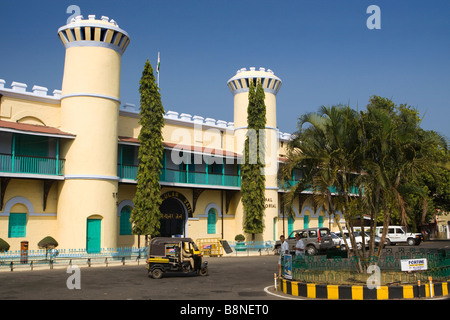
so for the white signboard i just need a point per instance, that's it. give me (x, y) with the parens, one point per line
(414, 264)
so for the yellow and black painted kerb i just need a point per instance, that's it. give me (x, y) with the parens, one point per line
(347, 292)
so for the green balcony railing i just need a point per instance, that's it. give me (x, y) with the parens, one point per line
(180, 176)
(31, 165)
(291, 183)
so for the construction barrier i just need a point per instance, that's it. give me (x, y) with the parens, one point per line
(210, 246)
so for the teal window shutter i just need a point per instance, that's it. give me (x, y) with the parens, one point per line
(17, 226)
(306, 222)
(30, 145)
(320, 221)
(211, 221)
(290, 225)
(128, 157)
(125, 224)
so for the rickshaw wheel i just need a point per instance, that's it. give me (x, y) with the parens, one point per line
(203, 272)
(157, 273)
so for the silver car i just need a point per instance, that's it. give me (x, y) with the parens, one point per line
(315, 239)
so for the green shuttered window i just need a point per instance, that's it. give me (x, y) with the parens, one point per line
(125, 224)
(211, 221)
(17, 226)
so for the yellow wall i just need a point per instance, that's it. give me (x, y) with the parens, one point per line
(31, 112)
(40, 223)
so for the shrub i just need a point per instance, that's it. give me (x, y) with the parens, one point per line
(48, 243)
(4, 246)
(239, 238)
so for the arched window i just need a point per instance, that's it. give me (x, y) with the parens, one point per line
(125, 224)
(212, 221)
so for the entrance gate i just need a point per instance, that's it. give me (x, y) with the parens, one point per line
(173, 218)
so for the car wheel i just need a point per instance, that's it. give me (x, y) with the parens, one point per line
(411, 242)
(388, 242)
(157, 273)
(311, 250)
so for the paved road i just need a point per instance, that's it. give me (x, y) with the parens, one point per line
(230, 278)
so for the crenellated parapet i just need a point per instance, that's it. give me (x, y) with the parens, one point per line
(39, 93)
(241, 81)
(94, 32)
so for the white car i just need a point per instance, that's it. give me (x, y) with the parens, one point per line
(358, 240)
(338, 241)
(398, 234)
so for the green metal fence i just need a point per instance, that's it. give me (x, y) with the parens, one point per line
(17, 259)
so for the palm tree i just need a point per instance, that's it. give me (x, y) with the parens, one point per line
(395, 151)
(377, 151)
(326, 149)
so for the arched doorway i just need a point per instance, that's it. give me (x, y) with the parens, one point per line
(173, 217)
(93, 234)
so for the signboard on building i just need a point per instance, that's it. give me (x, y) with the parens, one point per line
(414, 264)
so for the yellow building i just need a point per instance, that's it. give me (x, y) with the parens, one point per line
(68, 160)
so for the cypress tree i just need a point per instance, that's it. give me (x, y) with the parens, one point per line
(253, 179)
(146, 214)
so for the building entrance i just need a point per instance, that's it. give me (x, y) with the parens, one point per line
(173, 217)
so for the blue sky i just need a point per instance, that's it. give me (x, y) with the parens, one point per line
(321, 49)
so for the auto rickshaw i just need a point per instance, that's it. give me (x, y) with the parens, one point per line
(174, 255)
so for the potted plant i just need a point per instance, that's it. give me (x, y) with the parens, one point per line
(240, 242)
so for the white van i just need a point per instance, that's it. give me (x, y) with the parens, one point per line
(397, 234)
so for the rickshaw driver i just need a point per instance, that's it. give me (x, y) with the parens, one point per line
(187, 256)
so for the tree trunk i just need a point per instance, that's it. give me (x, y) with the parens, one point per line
(386, 219)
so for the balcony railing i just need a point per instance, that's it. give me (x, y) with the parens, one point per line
(180, 176)
(31, 165)
(289, 184)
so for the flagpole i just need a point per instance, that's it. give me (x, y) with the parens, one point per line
(157, 71)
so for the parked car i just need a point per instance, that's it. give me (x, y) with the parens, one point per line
(338, 241)
(315, 239)
(358, 240)
(398, 234)
(377, 239)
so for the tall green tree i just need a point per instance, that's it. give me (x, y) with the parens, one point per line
(326, 150)
(252, 170)
(146, 214)
(381, 152)
(397, 152)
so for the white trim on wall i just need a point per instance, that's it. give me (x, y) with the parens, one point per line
(27, 203)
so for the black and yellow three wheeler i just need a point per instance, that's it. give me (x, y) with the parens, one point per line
(174, 255)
